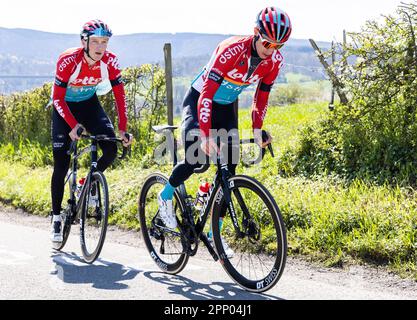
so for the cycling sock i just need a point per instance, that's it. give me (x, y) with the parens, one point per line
(168, 192)
(210, 234)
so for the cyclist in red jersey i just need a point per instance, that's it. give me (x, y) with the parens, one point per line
(236, 63)
(81, 74)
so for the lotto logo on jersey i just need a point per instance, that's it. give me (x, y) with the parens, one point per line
(277, 57)
(114, 62)
(239, 76)
(59, 108)
(86, 81)
(263, 115)
(231, 52)
(205, 110)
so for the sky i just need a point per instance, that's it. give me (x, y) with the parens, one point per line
(322, 20)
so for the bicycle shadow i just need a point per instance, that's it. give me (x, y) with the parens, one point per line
(179, 285)
(106, 275)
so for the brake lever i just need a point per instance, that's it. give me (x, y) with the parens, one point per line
(126, 150)
(72, 147)
(265, 137)
(271, 150)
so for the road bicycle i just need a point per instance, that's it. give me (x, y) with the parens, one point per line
(88, 204)
(253, 226)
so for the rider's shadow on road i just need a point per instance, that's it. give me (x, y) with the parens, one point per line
(179, 285)
(70, 269)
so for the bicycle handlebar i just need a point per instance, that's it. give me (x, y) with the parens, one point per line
(206, 166)
(269, 146)
(99, 138)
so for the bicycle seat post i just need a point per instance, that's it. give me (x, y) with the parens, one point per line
(172, 146)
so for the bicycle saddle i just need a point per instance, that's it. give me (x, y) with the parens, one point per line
(160, 129)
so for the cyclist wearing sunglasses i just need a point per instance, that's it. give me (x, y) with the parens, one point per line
(81, 74)
(236, 63)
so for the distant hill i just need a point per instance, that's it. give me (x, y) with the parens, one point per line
(31, 52)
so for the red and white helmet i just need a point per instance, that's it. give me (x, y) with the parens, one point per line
(95, 28)
(275, 24)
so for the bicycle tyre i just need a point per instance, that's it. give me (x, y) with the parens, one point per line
(67, 222)
(100, 216)
(267, 213)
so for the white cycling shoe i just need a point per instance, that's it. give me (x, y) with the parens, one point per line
(57, 228)
(93, 201)
(229, 251)
(93, 197)
(166, 212)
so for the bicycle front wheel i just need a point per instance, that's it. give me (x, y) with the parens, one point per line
(258, 252)
(94, 216)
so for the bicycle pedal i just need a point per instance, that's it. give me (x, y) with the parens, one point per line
(192, 252)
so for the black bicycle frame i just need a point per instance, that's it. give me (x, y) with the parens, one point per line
(76, 206)
(221, 180)
(218, 182)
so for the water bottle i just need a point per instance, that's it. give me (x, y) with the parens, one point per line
(80, 185)
(202, 193)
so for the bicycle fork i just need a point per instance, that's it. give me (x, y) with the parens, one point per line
(226, 186)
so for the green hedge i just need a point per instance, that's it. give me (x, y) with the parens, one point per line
(374, 137)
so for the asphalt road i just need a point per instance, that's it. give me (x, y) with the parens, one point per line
(30, 269)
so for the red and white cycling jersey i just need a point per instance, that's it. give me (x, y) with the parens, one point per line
(226, 76)
(76, 81)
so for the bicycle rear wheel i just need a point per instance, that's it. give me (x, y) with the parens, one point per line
(260, 251)
(164, 245)
(94, 216)
(67, 218)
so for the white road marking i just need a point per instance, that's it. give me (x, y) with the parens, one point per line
(14, 258)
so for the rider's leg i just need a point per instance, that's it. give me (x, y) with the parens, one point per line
(185, 169)
(60, 145)
(61, 165)
(180, 174)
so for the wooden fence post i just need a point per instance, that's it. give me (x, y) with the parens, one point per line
(168, 81)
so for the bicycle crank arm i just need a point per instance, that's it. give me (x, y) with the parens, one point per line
(210, 248)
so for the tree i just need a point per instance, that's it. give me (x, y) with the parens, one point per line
(375, 135)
